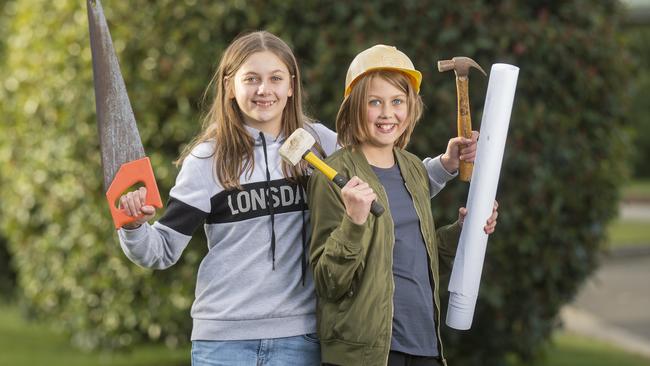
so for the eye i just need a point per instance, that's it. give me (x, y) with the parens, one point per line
(251, 79)
(374, 102)
(398, 101)
(276, 78)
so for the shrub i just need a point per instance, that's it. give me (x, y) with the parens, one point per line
(7, 273)
(559, 186)
(637, 39)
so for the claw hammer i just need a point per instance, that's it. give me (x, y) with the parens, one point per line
(461, 66)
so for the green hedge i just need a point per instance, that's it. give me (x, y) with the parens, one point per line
(559, 186)
(637, 39)
(7, 273)
(70, 267)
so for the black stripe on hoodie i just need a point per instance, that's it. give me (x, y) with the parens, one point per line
(250, 202)
(182, 217)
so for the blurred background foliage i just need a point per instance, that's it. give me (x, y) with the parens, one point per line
(566, 156)
(7, 273)
(637, 40)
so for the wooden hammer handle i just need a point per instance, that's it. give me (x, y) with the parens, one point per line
(464, 123)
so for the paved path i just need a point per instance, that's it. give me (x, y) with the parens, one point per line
(614, 304)
(620, 294)
(635, 211)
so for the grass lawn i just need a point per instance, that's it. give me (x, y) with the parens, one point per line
(573, 350)
(637, 190)
(627, 233)
(27, 344)
(631, 232)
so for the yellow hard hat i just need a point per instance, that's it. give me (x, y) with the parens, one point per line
(381, 57)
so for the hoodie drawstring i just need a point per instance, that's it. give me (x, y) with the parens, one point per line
(269, 204)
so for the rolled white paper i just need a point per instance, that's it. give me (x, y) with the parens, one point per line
(468, 264)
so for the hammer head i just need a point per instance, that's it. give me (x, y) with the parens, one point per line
(296, 146)
(460, 65)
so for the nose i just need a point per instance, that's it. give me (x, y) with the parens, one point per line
(385, 112)
(261, 90)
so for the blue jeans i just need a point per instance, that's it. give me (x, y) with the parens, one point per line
(303, 350)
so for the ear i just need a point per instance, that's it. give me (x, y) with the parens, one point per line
(293, 80)
(228, 88)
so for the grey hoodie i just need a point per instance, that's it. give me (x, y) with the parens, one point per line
(245, 288)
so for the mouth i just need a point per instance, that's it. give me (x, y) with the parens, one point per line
(264, 103)
(386, 127)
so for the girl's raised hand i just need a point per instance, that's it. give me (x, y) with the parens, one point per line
(491, 222)
(357, 198)
(459, 148)
(132, 204)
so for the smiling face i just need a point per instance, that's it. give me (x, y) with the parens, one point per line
(262, 86)
(379, 113)
(386, 113)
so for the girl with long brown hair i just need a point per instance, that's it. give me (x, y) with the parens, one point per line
(254, 297)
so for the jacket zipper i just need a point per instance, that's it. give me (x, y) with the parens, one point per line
(391, 236)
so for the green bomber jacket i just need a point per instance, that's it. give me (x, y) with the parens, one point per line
(352, 264)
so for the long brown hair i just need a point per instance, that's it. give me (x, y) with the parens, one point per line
(352, 118)
(224, 122)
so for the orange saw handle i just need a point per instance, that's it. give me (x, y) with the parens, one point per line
(137, 171)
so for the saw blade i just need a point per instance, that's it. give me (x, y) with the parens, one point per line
(118, 134)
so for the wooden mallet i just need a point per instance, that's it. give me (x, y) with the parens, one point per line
(298, 146)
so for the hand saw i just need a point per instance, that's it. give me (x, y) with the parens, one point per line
(123, 159)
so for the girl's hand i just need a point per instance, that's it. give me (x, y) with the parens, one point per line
(459, 148)
(357, 197)
(491, 222)
(132, 204)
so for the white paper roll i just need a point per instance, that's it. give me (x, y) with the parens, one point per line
(468, 264)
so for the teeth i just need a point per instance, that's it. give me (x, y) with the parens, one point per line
(385, 127)
(265, 104)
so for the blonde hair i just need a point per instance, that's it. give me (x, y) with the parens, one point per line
(352, 118)
(224, 122)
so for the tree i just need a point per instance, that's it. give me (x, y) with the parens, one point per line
(560, 176)
(637, 39)
(7, 272)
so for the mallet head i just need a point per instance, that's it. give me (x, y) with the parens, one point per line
(295, 147)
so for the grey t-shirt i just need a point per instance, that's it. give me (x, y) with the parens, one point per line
(414, 330)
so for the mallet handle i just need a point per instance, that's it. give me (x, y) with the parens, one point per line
(340, 180)
(375, 207)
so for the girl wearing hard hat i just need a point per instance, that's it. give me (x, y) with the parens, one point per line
(377, 278)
